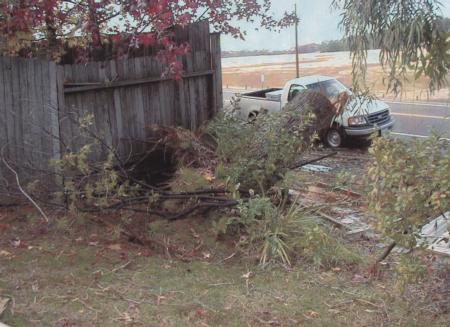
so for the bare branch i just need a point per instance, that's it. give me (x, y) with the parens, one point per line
(20, 187)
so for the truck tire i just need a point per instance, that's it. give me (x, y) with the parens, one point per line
(252, 116)
(333, 138)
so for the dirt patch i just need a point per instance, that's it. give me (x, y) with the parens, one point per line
(276, 75)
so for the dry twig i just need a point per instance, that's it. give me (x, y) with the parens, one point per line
(20, 186)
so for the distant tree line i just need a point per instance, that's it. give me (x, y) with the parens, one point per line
(443, 24)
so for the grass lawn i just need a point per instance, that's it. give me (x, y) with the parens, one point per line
(90, 278)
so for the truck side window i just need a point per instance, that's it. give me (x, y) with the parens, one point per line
(294, 90)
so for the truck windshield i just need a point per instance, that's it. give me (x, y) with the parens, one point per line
(330, 88)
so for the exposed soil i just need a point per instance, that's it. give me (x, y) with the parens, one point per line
(276, 75)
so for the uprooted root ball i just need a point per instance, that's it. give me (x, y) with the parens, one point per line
(257, 155)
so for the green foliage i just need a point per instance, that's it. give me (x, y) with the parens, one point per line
(95, 183)
(409, 34)
(334, 46)
(276, 233)
(257, 154)
(324, 249)
(343, 179)
(407, 184)
(410, 270)
(63, 223)
(252, 155)
(264, 229)
(188, 180)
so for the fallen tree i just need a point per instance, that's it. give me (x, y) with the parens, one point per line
(257, 155)
(222, 166)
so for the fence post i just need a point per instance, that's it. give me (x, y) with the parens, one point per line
(216, 65)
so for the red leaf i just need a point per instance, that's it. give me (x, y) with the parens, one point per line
(146, 39)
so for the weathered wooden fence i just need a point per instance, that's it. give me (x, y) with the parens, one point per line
(29, 127)
(40, 102)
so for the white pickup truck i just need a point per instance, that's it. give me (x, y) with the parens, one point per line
(359, 119)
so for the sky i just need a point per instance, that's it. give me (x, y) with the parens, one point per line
(318, 22)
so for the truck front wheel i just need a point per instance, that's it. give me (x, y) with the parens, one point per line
(333, 138)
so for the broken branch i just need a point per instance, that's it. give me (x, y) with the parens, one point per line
(21, 189)
(308, 162)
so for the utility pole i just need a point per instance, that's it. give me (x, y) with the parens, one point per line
(297, 61)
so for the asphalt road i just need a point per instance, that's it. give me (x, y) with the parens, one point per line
(412, 119)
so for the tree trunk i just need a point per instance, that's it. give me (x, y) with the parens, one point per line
(50, 25)
(97, 46)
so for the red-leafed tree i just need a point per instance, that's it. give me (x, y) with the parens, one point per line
(29, 27)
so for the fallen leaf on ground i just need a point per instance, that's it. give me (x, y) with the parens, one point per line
(17, 243)
(311, 314)
(194, 233)
(145, 253)
(247, 275)
(4, 253)
(115, 247)
(159, 298)
(199, 313)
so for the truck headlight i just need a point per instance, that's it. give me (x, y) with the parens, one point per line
(357, 120)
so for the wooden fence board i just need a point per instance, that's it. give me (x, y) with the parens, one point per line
(9, 109)
(28, 117)
(36, 131)
(4, 175)
(45, 107)
(16, 112)
(216, 64)
(44, 101)
(53, 112)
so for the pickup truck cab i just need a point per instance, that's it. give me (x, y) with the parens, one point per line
(358, 119)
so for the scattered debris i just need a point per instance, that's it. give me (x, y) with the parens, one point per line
(317, 168)
(6, 254)
(115, 247)
(350, 221)
(348, 217)
(4, 301)
(436, 235)
(345, 191)
(311, 314)
(314, 160)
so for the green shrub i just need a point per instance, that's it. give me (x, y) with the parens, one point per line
(188, 180)
(407, 184)
(257, 155)
(321, 247)
(410, 270)
(283, 235)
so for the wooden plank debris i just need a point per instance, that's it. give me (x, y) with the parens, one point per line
(4, 301)
(436, 235)
(316, 168)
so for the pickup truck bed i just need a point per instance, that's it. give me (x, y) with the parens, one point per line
(260, 93)
(252, 103)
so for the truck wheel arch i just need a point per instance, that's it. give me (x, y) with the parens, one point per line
(333, 137)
